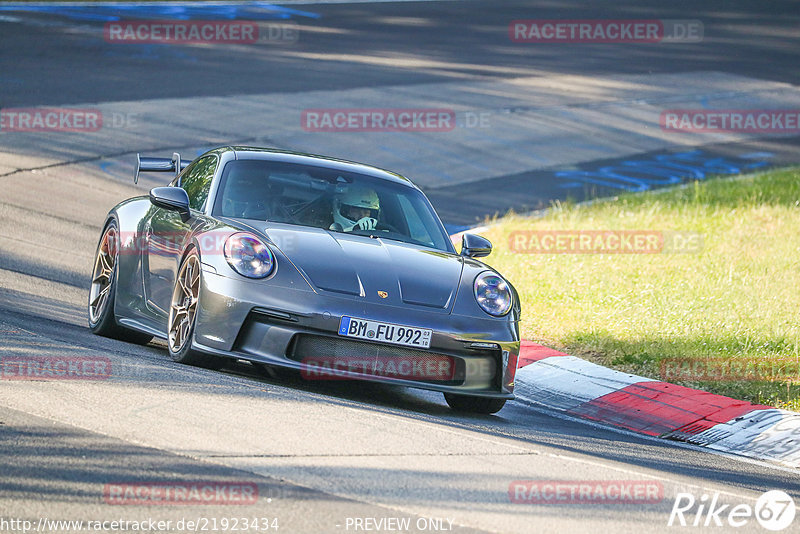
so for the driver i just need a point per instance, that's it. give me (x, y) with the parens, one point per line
(356, 208)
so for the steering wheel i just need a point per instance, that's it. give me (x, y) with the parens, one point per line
(383, 225)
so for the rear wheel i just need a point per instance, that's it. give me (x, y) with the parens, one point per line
(102, 293)
(480, 405)
(183, 315)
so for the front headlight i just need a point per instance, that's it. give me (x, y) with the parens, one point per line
(248, 256)
(493, 294)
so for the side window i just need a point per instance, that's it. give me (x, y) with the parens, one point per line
(196, 181)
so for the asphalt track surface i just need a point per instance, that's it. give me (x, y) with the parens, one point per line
(322, 454)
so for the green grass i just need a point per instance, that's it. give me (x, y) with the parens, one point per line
(739, 297)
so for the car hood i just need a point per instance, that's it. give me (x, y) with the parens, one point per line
(359, 266)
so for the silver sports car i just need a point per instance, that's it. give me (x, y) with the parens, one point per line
(333, 268)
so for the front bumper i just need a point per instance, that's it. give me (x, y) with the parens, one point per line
(264, 322)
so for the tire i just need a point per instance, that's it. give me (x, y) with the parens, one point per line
(183, 315)
(103, 291)
(478, 405)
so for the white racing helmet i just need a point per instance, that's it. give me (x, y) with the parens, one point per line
(356, 207)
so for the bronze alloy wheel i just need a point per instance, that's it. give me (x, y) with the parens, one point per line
(183, 307)
(103, 274)
(102, 293)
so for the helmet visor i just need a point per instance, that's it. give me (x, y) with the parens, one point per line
(356, 213)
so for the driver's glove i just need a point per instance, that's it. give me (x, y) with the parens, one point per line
(367, 223)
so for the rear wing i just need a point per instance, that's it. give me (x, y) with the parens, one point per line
(173, 164)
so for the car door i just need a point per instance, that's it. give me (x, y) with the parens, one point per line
(165, 235)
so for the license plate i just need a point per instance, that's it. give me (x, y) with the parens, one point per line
(385, 332)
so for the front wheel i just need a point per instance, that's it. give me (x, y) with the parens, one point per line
(103, 290)
(183, 315)
(479, 405)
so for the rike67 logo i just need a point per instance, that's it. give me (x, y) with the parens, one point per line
(774, 510)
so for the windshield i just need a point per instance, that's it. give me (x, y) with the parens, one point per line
(330, 199)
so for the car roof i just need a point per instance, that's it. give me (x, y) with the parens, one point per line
(288, 156)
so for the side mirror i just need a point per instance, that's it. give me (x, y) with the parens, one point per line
(475, 246)
(171, 198)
